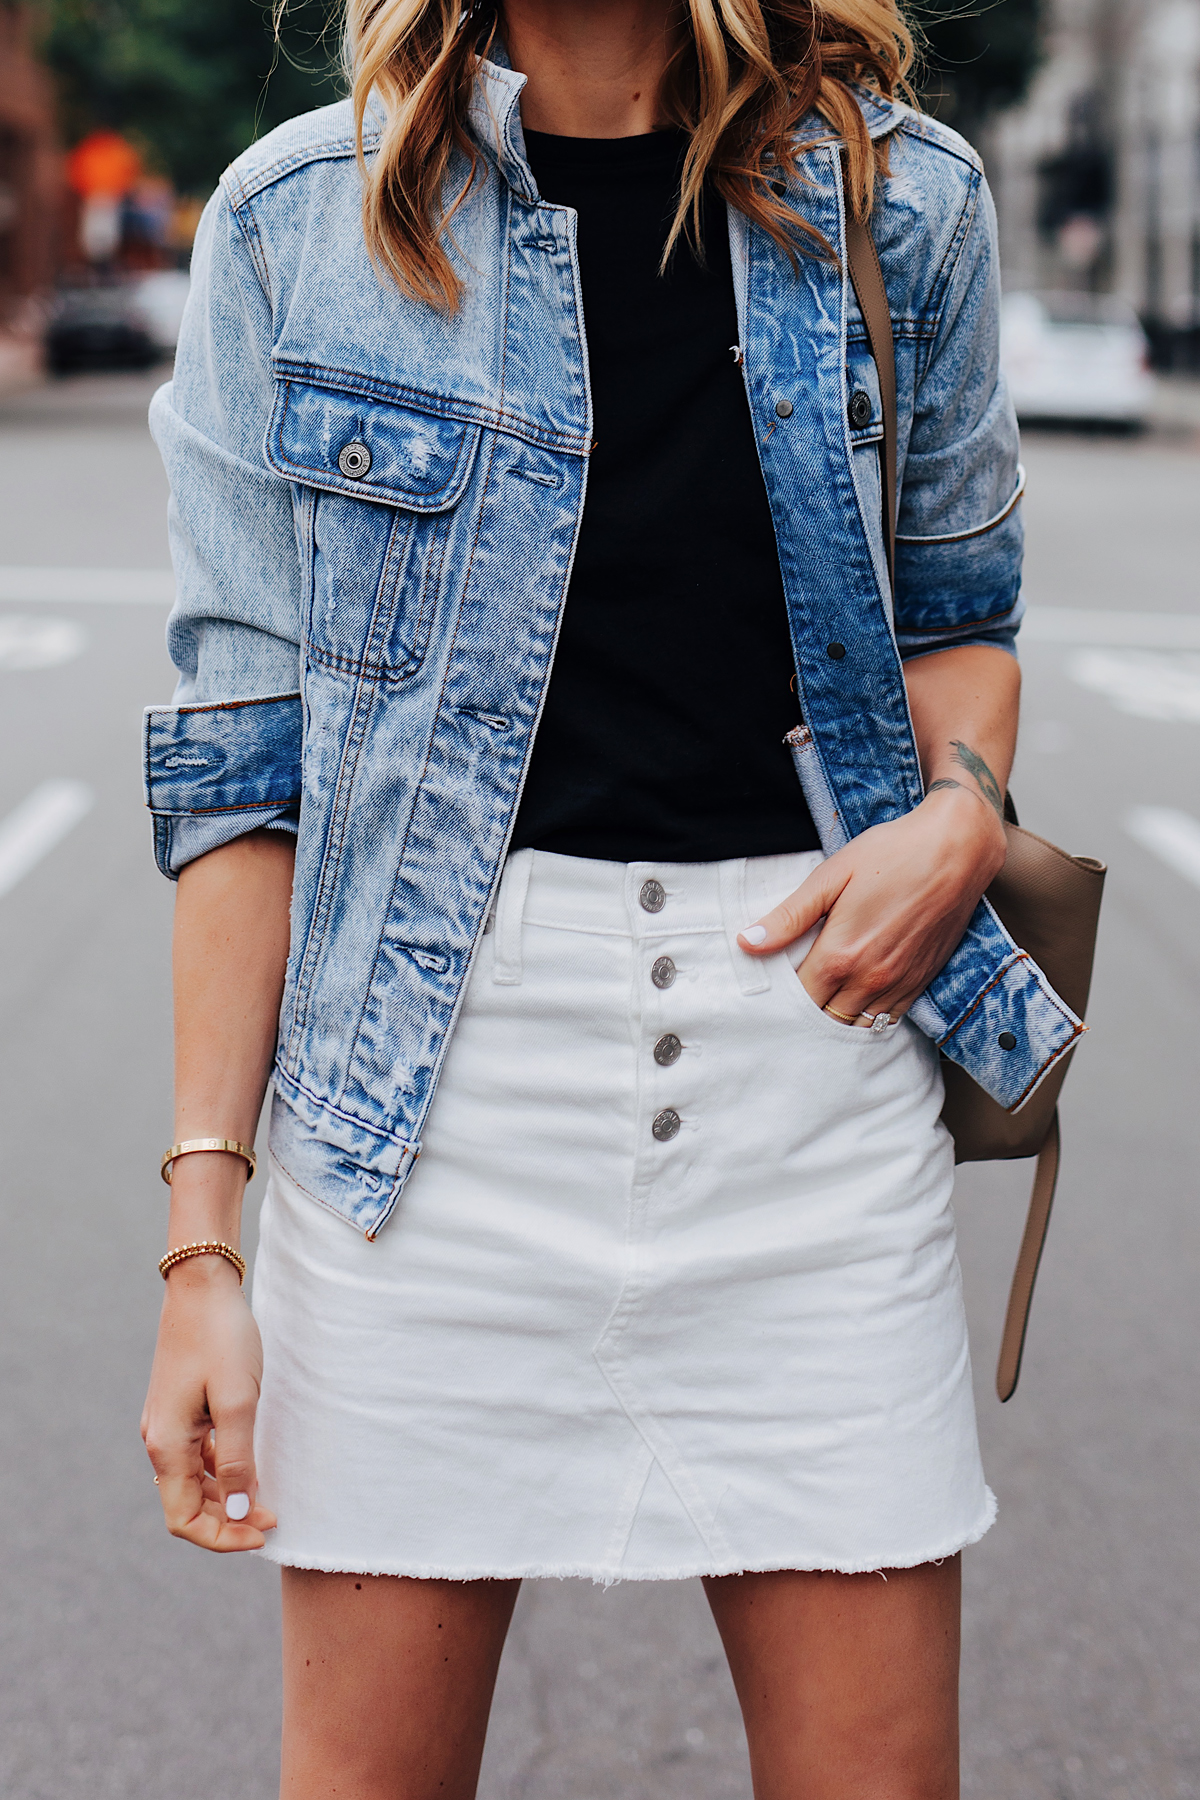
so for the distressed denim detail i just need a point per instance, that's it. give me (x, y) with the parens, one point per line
(415, 606)
(418, 460)
(817, 791)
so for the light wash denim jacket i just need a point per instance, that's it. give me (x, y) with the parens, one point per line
(364, 639)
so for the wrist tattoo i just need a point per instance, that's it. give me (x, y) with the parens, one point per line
(948, 781)
(973, 763)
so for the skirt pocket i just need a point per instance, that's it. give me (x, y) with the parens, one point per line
(787, 977)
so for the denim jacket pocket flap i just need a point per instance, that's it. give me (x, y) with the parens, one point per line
(370, 449)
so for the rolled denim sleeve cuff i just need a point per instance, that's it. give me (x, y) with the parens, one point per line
(214, 771)
(998, 633)
(971, 531)
(1007, 1034)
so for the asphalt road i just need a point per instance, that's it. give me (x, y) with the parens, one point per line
(133, 1668)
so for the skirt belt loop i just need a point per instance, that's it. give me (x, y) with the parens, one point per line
(507, 967)
(752, 976)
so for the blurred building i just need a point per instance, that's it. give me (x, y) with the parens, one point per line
(30, 189)
(1097, 174)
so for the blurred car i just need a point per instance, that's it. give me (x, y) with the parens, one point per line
(129, 324)
(98, 328)
(1075, 357)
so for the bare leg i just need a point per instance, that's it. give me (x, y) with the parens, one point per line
(387, 1684)
(848, 1683)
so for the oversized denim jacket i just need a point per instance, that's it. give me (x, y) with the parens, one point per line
(364, 642)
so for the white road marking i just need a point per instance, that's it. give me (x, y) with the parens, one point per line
(38, 643)
(41, 821)
(1172, 836)
(1145, 683)
(1115, 630)
(62, 587)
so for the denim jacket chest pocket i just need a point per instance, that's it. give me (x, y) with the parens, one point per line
(377, 486)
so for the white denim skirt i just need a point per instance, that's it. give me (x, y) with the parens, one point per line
(672, 1290)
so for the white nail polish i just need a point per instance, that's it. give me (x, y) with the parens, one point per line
(237, 1506)
(755, 934)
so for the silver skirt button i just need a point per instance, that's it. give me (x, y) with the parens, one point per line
(666, 1124)
(653, 896)
(663, 973)
(668, 1050)
(355, 461)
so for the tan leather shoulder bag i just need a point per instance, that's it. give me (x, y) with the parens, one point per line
(1048, 901)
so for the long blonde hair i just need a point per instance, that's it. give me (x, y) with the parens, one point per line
(745, 75)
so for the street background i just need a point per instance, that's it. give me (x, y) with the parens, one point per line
(134, 1668)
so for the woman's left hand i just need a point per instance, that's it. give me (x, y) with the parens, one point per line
(895, 900)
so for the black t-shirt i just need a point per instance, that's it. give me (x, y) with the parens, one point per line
(672, 687)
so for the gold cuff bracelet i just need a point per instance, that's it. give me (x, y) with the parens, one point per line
(190, 1146)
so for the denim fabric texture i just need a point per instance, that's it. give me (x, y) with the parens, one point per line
(373, 517)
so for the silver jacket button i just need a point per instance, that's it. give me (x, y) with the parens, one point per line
(666, 1124)
(355, 461)
(663, 972)
(653, 896)
(668, 1050)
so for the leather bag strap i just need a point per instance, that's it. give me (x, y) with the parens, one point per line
(1016, 1320)
(862, 260)
(866, 276)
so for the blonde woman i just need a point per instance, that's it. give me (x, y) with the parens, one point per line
(524, 447)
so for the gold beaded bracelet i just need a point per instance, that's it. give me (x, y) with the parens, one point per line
(191, 1146)
(208, 1248)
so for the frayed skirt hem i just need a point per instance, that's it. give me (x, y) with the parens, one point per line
(609, 1577)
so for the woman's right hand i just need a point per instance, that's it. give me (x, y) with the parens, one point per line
(198, 1421)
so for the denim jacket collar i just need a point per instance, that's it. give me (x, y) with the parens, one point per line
(494, 120)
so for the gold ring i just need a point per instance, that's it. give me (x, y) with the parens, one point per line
(846, 1018)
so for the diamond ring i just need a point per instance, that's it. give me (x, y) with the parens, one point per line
(878, 1021)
